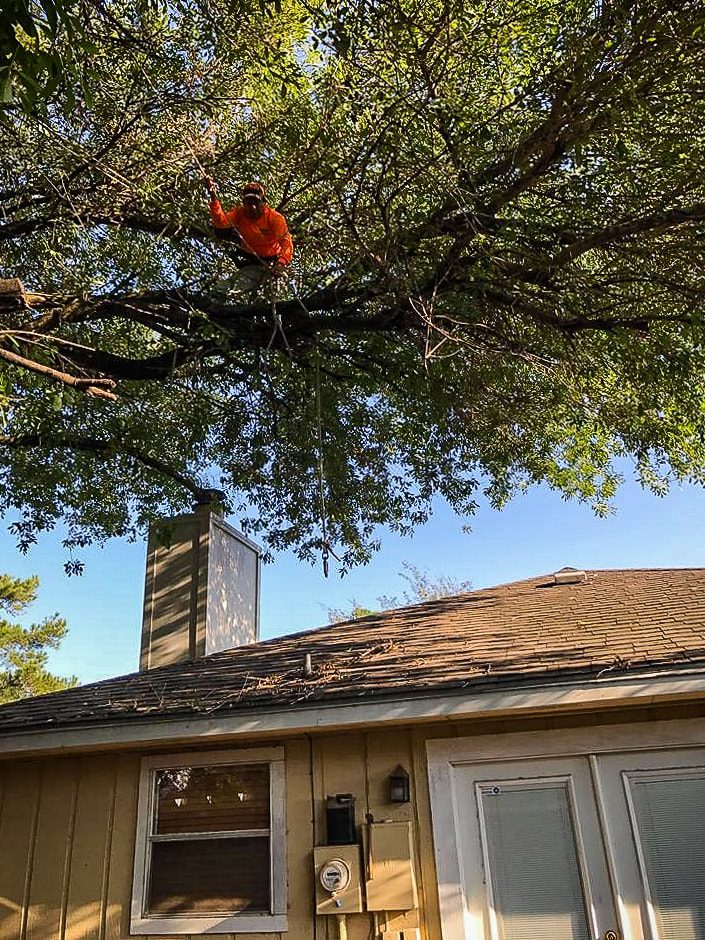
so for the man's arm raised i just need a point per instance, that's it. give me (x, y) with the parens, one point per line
(218, 216)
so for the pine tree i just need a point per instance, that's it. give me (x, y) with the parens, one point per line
(23, 650)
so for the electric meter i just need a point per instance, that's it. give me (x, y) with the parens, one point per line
(334, 875)
(338, 879)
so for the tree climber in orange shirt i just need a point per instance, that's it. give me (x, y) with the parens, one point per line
(264, 244)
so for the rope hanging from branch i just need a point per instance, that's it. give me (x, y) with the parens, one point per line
(276, 317)
(325, 545)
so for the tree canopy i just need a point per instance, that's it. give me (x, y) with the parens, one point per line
(23, 650)
(44, 43)
(498, 212)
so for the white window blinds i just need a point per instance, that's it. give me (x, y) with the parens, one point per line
(669, 816)
(534, 876)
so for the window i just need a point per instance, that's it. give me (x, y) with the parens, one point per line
(210, 851)
(669, 827)
(532, 859)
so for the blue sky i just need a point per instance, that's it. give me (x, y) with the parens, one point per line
(535, 534)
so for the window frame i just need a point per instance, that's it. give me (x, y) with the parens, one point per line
(189, 923)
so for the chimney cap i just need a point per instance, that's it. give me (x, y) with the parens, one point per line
(209, 497)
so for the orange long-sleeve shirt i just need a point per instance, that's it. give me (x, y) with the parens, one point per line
(267, 237)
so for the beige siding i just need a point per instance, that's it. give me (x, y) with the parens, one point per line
(67, 828)
(90, 850)
(48, 883)
(118, 882)
(299, 838)
(21, 789)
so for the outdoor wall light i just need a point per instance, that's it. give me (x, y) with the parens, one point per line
(399, 791)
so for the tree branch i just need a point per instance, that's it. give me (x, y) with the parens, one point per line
(103, 449)
(655, 223)
(95, 387)
(127, 219)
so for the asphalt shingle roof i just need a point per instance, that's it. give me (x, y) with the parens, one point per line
(613, 622)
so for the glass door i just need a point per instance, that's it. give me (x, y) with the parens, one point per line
(655, 815)
(532, 860)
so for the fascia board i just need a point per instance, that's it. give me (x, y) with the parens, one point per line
(646, 689)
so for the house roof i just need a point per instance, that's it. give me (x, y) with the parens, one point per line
(614, 622)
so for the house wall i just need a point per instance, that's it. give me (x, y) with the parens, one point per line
(67, 826)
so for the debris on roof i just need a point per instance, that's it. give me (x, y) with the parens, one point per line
(609, 623)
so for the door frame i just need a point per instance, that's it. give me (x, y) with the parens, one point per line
(444, 755)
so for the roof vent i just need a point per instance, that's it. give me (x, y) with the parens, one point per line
(569, 576)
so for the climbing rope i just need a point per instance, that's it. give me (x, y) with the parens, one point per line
(198, 163)
(276, 317)
(278, 328)
(326, 549)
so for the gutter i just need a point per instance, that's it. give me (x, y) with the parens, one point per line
(649, 688)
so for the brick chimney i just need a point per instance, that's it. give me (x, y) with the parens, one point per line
(201, 588)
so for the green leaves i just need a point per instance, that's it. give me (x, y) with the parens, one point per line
(498, 261)
(48, 44)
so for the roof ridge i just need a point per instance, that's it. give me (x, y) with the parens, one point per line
(375, 615)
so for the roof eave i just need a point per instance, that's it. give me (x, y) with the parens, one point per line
(503, 700)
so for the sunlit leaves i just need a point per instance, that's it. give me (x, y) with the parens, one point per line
(506, 198)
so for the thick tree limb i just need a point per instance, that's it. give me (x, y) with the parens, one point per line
(577, 324)
(653, 224)
(100, 448)
(130, 220)
(95, 387)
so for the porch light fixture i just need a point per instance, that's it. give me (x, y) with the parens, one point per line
(399, 791)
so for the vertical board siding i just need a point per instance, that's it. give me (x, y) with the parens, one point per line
(118, 888)
(52, 847)
(91, 849)
(21, 787)
(299, 840)
(67, 831)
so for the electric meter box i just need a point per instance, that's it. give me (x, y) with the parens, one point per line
(340, 819)
(338, 882)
